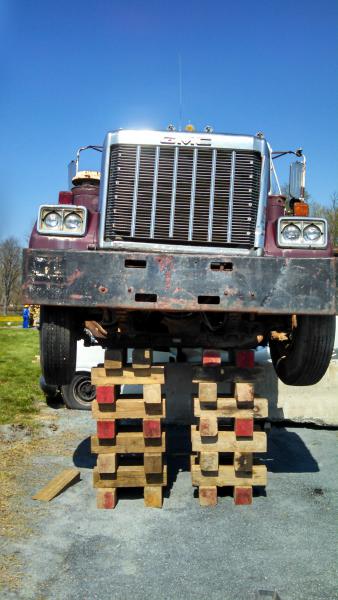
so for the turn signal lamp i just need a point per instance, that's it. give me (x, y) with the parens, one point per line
(190, 128)
(301, 209)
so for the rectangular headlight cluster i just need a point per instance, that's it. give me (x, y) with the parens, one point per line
(301, 232)
(65, 219)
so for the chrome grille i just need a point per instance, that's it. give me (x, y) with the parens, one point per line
(182, 195)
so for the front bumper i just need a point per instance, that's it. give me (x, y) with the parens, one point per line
(179, 282)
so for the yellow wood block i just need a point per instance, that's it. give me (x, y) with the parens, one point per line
(153, 496)
(128, 409)
(128, 376)
(227, 407)
(209, 461)
(152, 393)
(227, 442)
(128, 443)
(243, 462)
(107, 463)
(153, 463)
(129, 476)
(207, 393)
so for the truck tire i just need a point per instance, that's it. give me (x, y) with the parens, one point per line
(79, 393)
(57, 345)
(304, 358)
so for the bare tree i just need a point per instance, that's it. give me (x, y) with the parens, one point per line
(10, 271)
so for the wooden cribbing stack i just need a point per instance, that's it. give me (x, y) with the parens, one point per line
(224, 456)
(130, 454)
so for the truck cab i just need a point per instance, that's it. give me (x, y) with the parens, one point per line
(180, 241)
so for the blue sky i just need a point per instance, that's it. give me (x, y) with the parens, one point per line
(72, 70)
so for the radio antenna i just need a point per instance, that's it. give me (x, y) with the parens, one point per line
(180, 91)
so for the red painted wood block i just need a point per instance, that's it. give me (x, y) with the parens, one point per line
(106, 430)
(244, 427)
(106, 498)
(245, 359)
(207, 495)
(211, 358)
(243, 495)
(106, 394)
(152, 428)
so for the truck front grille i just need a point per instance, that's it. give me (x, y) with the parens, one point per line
(182, 195)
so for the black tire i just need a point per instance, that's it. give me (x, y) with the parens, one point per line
(57, 345)
(304, 358)
(80, 393)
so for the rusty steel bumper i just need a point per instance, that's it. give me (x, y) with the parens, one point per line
(179, 282)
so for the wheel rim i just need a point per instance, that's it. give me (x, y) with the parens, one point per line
(84, 392)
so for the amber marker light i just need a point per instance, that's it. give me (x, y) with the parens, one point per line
(301, 209)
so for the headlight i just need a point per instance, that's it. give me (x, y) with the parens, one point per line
(291, 232)
(312, 233)
(64, 219)
(73, 221)
(302, 232)
(53, 219)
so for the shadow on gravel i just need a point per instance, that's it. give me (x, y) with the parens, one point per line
(287, 453)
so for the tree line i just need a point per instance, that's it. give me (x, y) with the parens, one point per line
(11, 253)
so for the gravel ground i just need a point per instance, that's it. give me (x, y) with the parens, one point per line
(67, 549)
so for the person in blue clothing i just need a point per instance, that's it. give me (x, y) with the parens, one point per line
(25, 317)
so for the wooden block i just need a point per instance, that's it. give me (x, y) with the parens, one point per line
(209, 461)
(245, 359)
(57, 485)
(128, 376)
(153, 463)
(227, 476)
(113, 360)
(106, 498)
(243, 494)
(128, 476)
(244, 394)
(106, 394)
(227, 442)
(244, 427)
(207, 393)
(227, 407)
(211, 358)
(153, 496)
(208, 426)
(207, 495)
(243, 462)
(142, 359)
(152, 428)
(106, 429)
(127, 408)
(128, 443)
(107, 463)
(152, 394)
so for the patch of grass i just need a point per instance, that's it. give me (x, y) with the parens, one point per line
(19, 376)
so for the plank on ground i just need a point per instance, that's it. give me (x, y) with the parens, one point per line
(227, 442)
(128, 409)
(129, 443)
(129, 376)
(227, 476)
(57, 485)
(128, 476)
(227, 407)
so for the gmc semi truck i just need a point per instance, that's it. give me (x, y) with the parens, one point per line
(179, 241)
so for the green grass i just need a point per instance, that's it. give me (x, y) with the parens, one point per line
(19, 376)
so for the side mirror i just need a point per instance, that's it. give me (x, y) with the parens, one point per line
(297, 180)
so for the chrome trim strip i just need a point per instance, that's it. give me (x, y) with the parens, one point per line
(231, 195)
(177, 249)
(105, 162)
(136, 176)
(154, 196)
(173, 194)
(212, 194)
(192, 195)
(263, 195)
